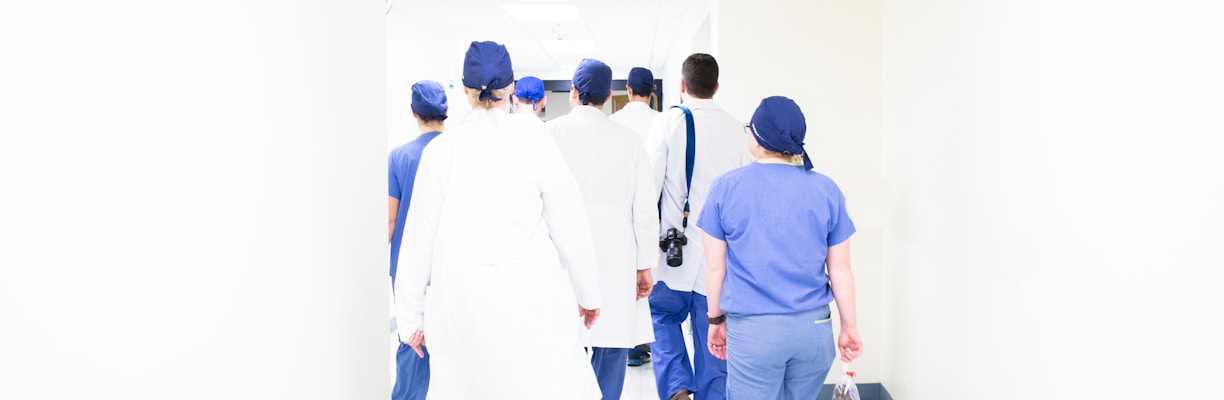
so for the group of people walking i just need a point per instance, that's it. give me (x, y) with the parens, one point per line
(571, 240)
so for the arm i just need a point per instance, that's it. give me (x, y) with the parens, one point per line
(568, 225)
(392, 212)
(841, 279)
(416, 252)
(645, 224)
(716, 271)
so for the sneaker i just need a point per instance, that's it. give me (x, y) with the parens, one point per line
(636, 360)
(683, 394)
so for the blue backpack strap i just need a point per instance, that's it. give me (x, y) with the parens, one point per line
(690, 152)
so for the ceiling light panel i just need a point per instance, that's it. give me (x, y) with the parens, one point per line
(542, 13)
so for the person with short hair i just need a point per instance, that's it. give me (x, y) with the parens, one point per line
(637, 114)
(777, 248)
(429, 109)
(679, 293)
(609, 161)
(497, 253)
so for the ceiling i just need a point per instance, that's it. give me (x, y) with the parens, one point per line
(547, 38)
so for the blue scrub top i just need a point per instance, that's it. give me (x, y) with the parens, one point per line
(778, 221)
(402, 166)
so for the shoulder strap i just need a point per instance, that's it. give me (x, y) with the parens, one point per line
(690, 152)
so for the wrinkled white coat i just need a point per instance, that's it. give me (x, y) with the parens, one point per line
(637, 116)
(609, 161)
(497, 254)
(721, 145)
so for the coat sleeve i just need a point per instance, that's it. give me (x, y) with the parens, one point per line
(417, 246)
(645, 212)
(567, 224)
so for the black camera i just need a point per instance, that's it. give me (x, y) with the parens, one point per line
(671, 244)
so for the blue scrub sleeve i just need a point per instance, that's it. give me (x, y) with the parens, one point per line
(393, 185)
(710, 220)
(841, 227)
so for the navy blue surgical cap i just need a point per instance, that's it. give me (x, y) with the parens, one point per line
(640, 79)
(779, 126)
(486, 67)
(593, 79)
(429, 99)
(529, 88)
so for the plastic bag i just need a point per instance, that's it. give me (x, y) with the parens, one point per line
(846, 390)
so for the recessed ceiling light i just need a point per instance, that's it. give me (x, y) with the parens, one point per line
(542, 13)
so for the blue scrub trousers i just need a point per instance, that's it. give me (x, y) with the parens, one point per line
(609, 365)
(411, 374)
(779, 356)
(707, 378)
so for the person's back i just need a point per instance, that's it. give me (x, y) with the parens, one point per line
(497, 252)
(609, 162)
(637, 114)
(680, 291)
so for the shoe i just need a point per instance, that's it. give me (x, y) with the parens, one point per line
(683, 394)
(636, 360)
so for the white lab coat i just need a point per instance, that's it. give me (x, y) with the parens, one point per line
(497, 255)
(721, 146)
(637, 116)
(609, 161)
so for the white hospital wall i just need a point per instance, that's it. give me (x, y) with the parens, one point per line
(1056, 225)
(825, 56)
(193, 200)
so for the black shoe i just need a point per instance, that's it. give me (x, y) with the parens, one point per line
(636, 360)
(683, 394)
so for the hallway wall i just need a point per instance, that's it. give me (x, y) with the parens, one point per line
(1055, 226)
(193, 200)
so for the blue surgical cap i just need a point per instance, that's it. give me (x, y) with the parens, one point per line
(429, 99)
(640, 79)
(593, 79)
(486, 67)
(778, 125)
(529, 88)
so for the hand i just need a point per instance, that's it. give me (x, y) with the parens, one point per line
(850, 344)
(588, 316)
(416, 341)
(717, 340)
(645, 283)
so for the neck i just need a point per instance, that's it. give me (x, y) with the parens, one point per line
(640, 99)
(431, 127)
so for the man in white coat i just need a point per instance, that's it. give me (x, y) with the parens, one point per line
(497, 253)
(680, 293)
(637, 115)
(609, 161)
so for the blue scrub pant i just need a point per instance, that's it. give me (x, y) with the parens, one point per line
(707, 378)
(411, 374)
(779, 356)
(609, 365)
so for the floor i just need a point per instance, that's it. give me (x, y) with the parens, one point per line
(639, 381)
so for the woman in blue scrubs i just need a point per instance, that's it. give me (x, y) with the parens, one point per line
(776, 237)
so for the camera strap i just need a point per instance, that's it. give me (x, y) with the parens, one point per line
(690, 153)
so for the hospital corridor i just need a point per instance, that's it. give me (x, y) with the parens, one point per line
(630, 199)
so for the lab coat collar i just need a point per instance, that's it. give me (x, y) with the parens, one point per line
(589, 112)
(701, 104)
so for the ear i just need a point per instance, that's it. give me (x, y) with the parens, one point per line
(628, 89)
(715, 87)
(654, 88)
(574, 93)
(683, 87)
(543, 100)
(465, 90)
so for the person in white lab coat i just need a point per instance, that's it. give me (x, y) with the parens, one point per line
(609, 161)
(680, 291)
(637, 114)
(497, 253)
